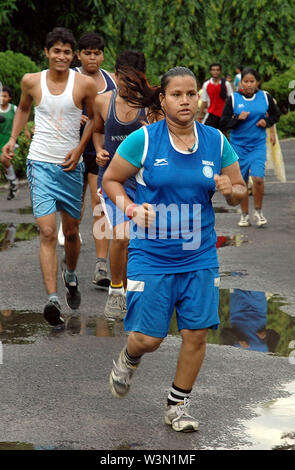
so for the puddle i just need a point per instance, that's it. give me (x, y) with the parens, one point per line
(252, 320)
(11, 233)
(274, 426)
(225, 210)
(240, 273)
(249, 319)
(21, 210)
(23, 327)
(231, 240)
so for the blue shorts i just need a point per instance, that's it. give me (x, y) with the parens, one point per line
(251, 160)
(151, 299)
(114, 215)
(53, 189)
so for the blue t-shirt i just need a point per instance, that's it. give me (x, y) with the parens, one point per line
(180, 185)
(247, 133)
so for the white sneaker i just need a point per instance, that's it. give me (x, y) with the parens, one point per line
(259, 218)
(244, 221)
(178, 418)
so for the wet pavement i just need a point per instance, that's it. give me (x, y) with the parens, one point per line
(54, 385)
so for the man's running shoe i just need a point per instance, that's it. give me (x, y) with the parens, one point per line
(121, 375)
(244, 220)
(73, 295)
(52, 313)
(13, 190)
(259, 218)
(115, 308)
(178, 418)
(101, 278)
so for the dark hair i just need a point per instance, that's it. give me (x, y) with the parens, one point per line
(8, 90)
(91, 40)
(63, 35)
(215, 65)
(142, 95)
(134, 59)
(249, 70)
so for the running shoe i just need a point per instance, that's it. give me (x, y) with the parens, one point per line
(13, 190)
(121, 375)
(52, 313)
(259, 218)
(244, 220)
(101, 278)
(73, 295)
(178, 418)
(116, 306)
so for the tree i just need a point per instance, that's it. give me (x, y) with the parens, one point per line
(13, 65)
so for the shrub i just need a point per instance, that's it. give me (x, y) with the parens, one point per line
(286, 125)
(13, 66)
(278, 87)
(21, 152)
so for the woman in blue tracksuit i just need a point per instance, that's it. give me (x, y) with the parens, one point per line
(247, 114)
(172, 262)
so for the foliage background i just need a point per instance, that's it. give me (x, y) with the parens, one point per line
(193, 33)
(260, 33)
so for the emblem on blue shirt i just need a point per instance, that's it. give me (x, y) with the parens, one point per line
(208, 171)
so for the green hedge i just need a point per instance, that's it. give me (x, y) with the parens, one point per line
(13, 66)
(278, 87)
(286, 125)
(20, 154)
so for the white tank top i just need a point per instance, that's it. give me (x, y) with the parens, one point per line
(57, 124)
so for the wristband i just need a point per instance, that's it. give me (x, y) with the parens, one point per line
(129, 210)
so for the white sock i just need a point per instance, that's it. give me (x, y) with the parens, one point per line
(10, 173)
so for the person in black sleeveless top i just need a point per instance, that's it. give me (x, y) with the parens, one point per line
(115, 119)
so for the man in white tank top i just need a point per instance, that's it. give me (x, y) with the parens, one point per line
(54, 165)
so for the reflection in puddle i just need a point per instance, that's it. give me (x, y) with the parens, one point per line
(225, 210)
(252, 320)
(240, 273)
(18, 327)
(21, 327)
(249, 320)
(231, 240)
(21, 210)
(16, 446)
(274, 427)
(11, 233)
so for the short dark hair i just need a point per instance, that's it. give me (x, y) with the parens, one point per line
(91, 40)
(215, 65)
(63, 35)
(134, 59)
(8, 90)
(250, 71)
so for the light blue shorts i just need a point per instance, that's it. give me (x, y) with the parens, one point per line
(251, 160)
(114, 215)
(53, 189)
(151, 299)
